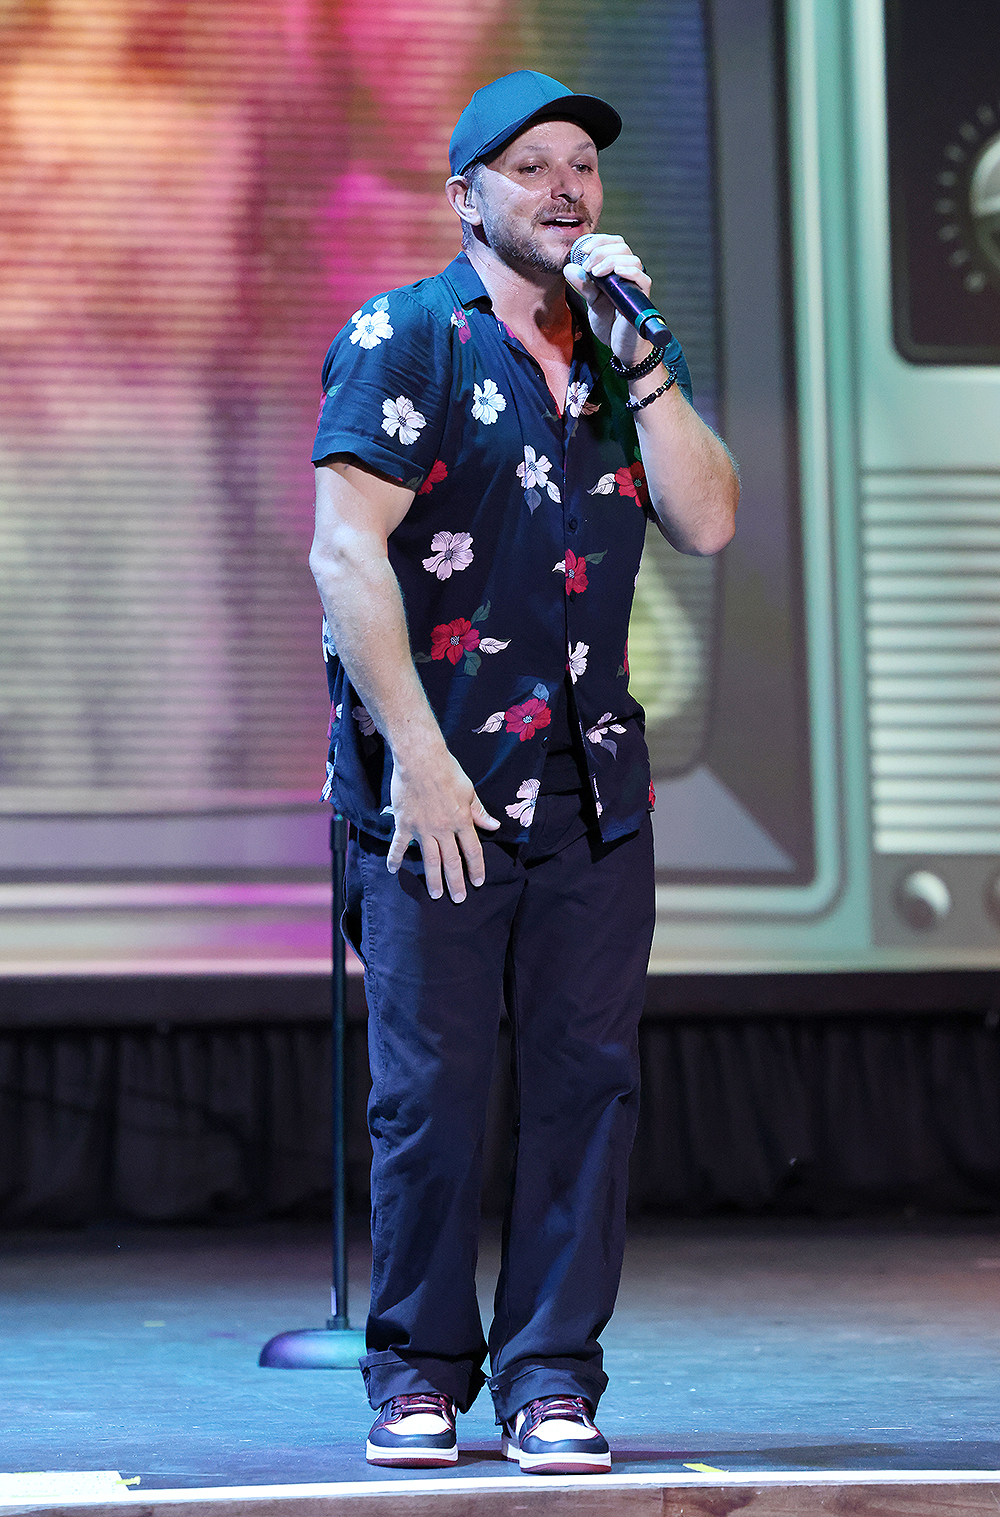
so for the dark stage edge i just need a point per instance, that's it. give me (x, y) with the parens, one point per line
(782, 1365)
(917, 1493)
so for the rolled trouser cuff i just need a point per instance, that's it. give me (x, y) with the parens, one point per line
(389, 1373)
(514, 1388)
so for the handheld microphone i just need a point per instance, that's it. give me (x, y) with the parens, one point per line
(627, 298)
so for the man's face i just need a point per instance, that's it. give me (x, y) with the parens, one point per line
(539, 195)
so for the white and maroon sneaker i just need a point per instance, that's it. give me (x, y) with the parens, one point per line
(555, 1435)
(414, 1432)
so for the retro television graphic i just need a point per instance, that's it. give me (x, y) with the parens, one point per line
(815, 187)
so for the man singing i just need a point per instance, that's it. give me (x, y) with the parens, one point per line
(492, 444)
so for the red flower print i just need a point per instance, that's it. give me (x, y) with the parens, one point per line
(632, 481)
(453, 639)
(576, 573)
(438, 471)
(527, 717)
(625, 657)
(652, 796)
(459, 320)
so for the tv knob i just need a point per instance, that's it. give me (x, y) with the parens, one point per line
(923, 899)
(984, 203)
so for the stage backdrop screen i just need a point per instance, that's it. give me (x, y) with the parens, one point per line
(195, 198)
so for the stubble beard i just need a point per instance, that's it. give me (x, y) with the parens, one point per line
(522, 253)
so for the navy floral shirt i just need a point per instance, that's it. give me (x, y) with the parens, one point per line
(517, 559)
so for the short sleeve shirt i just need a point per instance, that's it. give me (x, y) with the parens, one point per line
(517, 560)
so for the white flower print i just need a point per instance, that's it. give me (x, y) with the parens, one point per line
(328, 787)
(449, 551)
(534, 472)
(369, 331)
(598, 734)
(523, 808)
(597, 799)
(364, 720)
(578, 661)
(488, 403)
(605, 485)
(576, 397)
(402, 414)
(492, 723)
(602, 727)
(329, 647)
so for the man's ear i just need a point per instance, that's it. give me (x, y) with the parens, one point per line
(462, 199)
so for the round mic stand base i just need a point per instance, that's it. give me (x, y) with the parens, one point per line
(314, 1348)
(336, 1346)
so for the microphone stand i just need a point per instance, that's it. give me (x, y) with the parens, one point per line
(335, 1346)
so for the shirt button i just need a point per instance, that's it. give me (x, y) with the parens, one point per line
(572, 524)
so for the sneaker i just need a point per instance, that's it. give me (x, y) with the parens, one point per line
(414, 1432)
(555, 1435)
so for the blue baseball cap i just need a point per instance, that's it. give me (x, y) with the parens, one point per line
(500, 111)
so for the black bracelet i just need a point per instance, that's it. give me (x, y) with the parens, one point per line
(639, 370)
(637, 405)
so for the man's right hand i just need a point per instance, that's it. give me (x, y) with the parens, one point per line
(435, 805)
(433, 800)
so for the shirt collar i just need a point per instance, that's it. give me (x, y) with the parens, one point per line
(470, 290)
(466, 283)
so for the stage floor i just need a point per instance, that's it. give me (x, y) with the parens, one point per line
(739, 1348)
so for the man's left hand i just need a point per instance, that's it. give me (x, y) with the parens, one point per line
(609, 254)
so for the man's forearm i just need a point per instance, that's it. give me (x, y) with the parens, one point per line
(693, 485)
(364, 610)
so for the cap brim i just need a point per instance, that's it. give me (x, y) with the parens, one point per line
(599, 119)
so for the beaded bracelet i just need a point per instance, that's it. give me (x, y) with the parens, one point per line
(637, 405)
(648, 364)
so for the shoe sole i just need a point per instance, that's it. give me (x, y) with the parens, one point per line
(411, 1459)
(556, 1463)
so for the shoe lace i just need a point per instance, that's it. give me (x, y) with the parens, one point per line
(572, 1408)
(421, 1401)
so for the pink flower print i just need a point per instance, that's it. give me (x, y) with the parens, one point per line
(438, 471)
(460, 320)
(598, 734)
(625, 657)
(451, 640)
(450, 552)
(526, 718)
(576, 573)
(523, 809)
(632, 481)
(652, 796)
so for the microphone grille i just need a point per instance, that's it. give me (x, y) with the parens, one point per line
(581, 248)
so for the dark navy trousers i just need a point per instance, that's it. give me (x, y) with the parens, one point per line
(560, 933)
